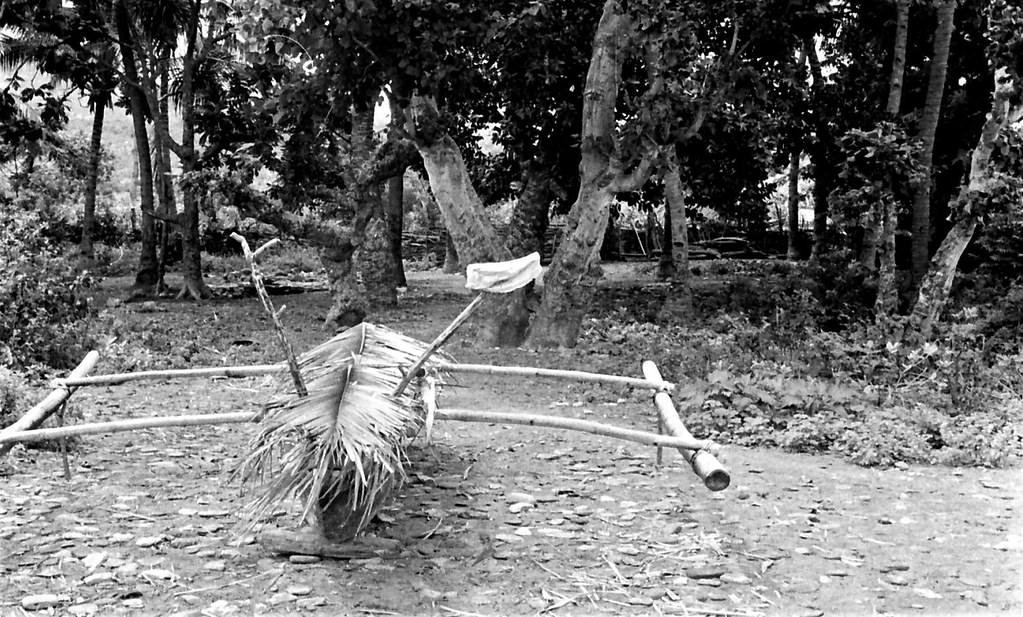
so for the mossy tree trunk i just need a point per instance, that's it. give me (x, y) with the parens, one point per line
(570, 281)
(193, 285)
(678, 305)
(504, 316)
(934, 290)
(85, 244)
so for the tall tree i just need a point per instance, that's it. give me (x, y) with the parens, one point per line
(147, 275)
(927, 129)
(571, 278)
(898, 71)
(821, 151)
(986, 188)
(886, 219)
(679, 303)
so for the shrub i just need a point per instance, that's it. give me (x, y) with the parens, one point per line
(44, 310)
(12, 394)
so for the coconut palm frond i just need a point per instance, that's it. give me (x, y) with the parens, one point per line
(342, 447)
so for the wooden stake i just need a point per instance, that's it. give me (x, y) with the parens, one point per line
(704, 464)
(63, 442)
(275, 315)
(428, 392)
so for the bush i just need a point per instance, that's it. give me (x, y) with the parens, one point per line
(782, 383)
(12, 395)
(44, 310)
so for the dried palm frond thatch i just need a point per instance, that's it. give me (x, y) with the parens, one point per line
(340, 450)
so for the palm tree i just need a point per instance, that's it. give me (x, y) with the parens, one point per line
(927, 128)
(340, 451)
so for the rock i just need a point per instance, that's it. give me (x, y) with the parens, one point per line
(215, 565)
(510, 538)
(310, 603)
(212, 513)
(42, 601)
(520, 498)
(83, 610)
(279, 598)
(896, 579)
(303, 559)
(299, 590)
(93, 560)
(735, 578)
(98, 578)
(157, 573)
(976, 595)
(708, 572)
(148, 541)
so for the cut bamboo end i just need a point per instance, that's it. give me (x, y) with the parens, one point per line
(704, 464)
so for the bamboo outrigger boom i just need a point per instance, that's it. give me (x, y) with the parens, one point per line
(704, 463)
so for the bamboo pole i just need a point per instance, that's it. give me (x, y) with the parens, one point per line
(704, 464)
(528, 371)
(275, 314)
(120, 426)
(114, 379)
(35, 416)
(457, 415)
(572, 424)
(436, 344)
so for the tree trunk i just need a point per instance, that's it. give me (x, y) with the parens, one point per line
(570, 281)
(504, 316)
(85, 245)
(147, 277)
(871, 223)
(373, 251)
(678, 305)
(793, 211)
(395, 227)
(348, 307)
(165, 183)
(666, 262)
(887, 292)
(530, 217)
(927, 129)
(935, 287)
(820, 154)
(451, 264)
(898, 57)
(191, 252)
(395, 204)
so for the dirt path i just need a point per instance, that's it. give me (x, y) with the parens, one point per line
(495, 520)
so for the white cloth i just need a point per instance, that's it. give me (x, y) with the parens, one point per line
(503, 276)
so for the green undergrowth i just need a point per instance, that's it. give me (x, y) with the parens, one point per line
(857, 393)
